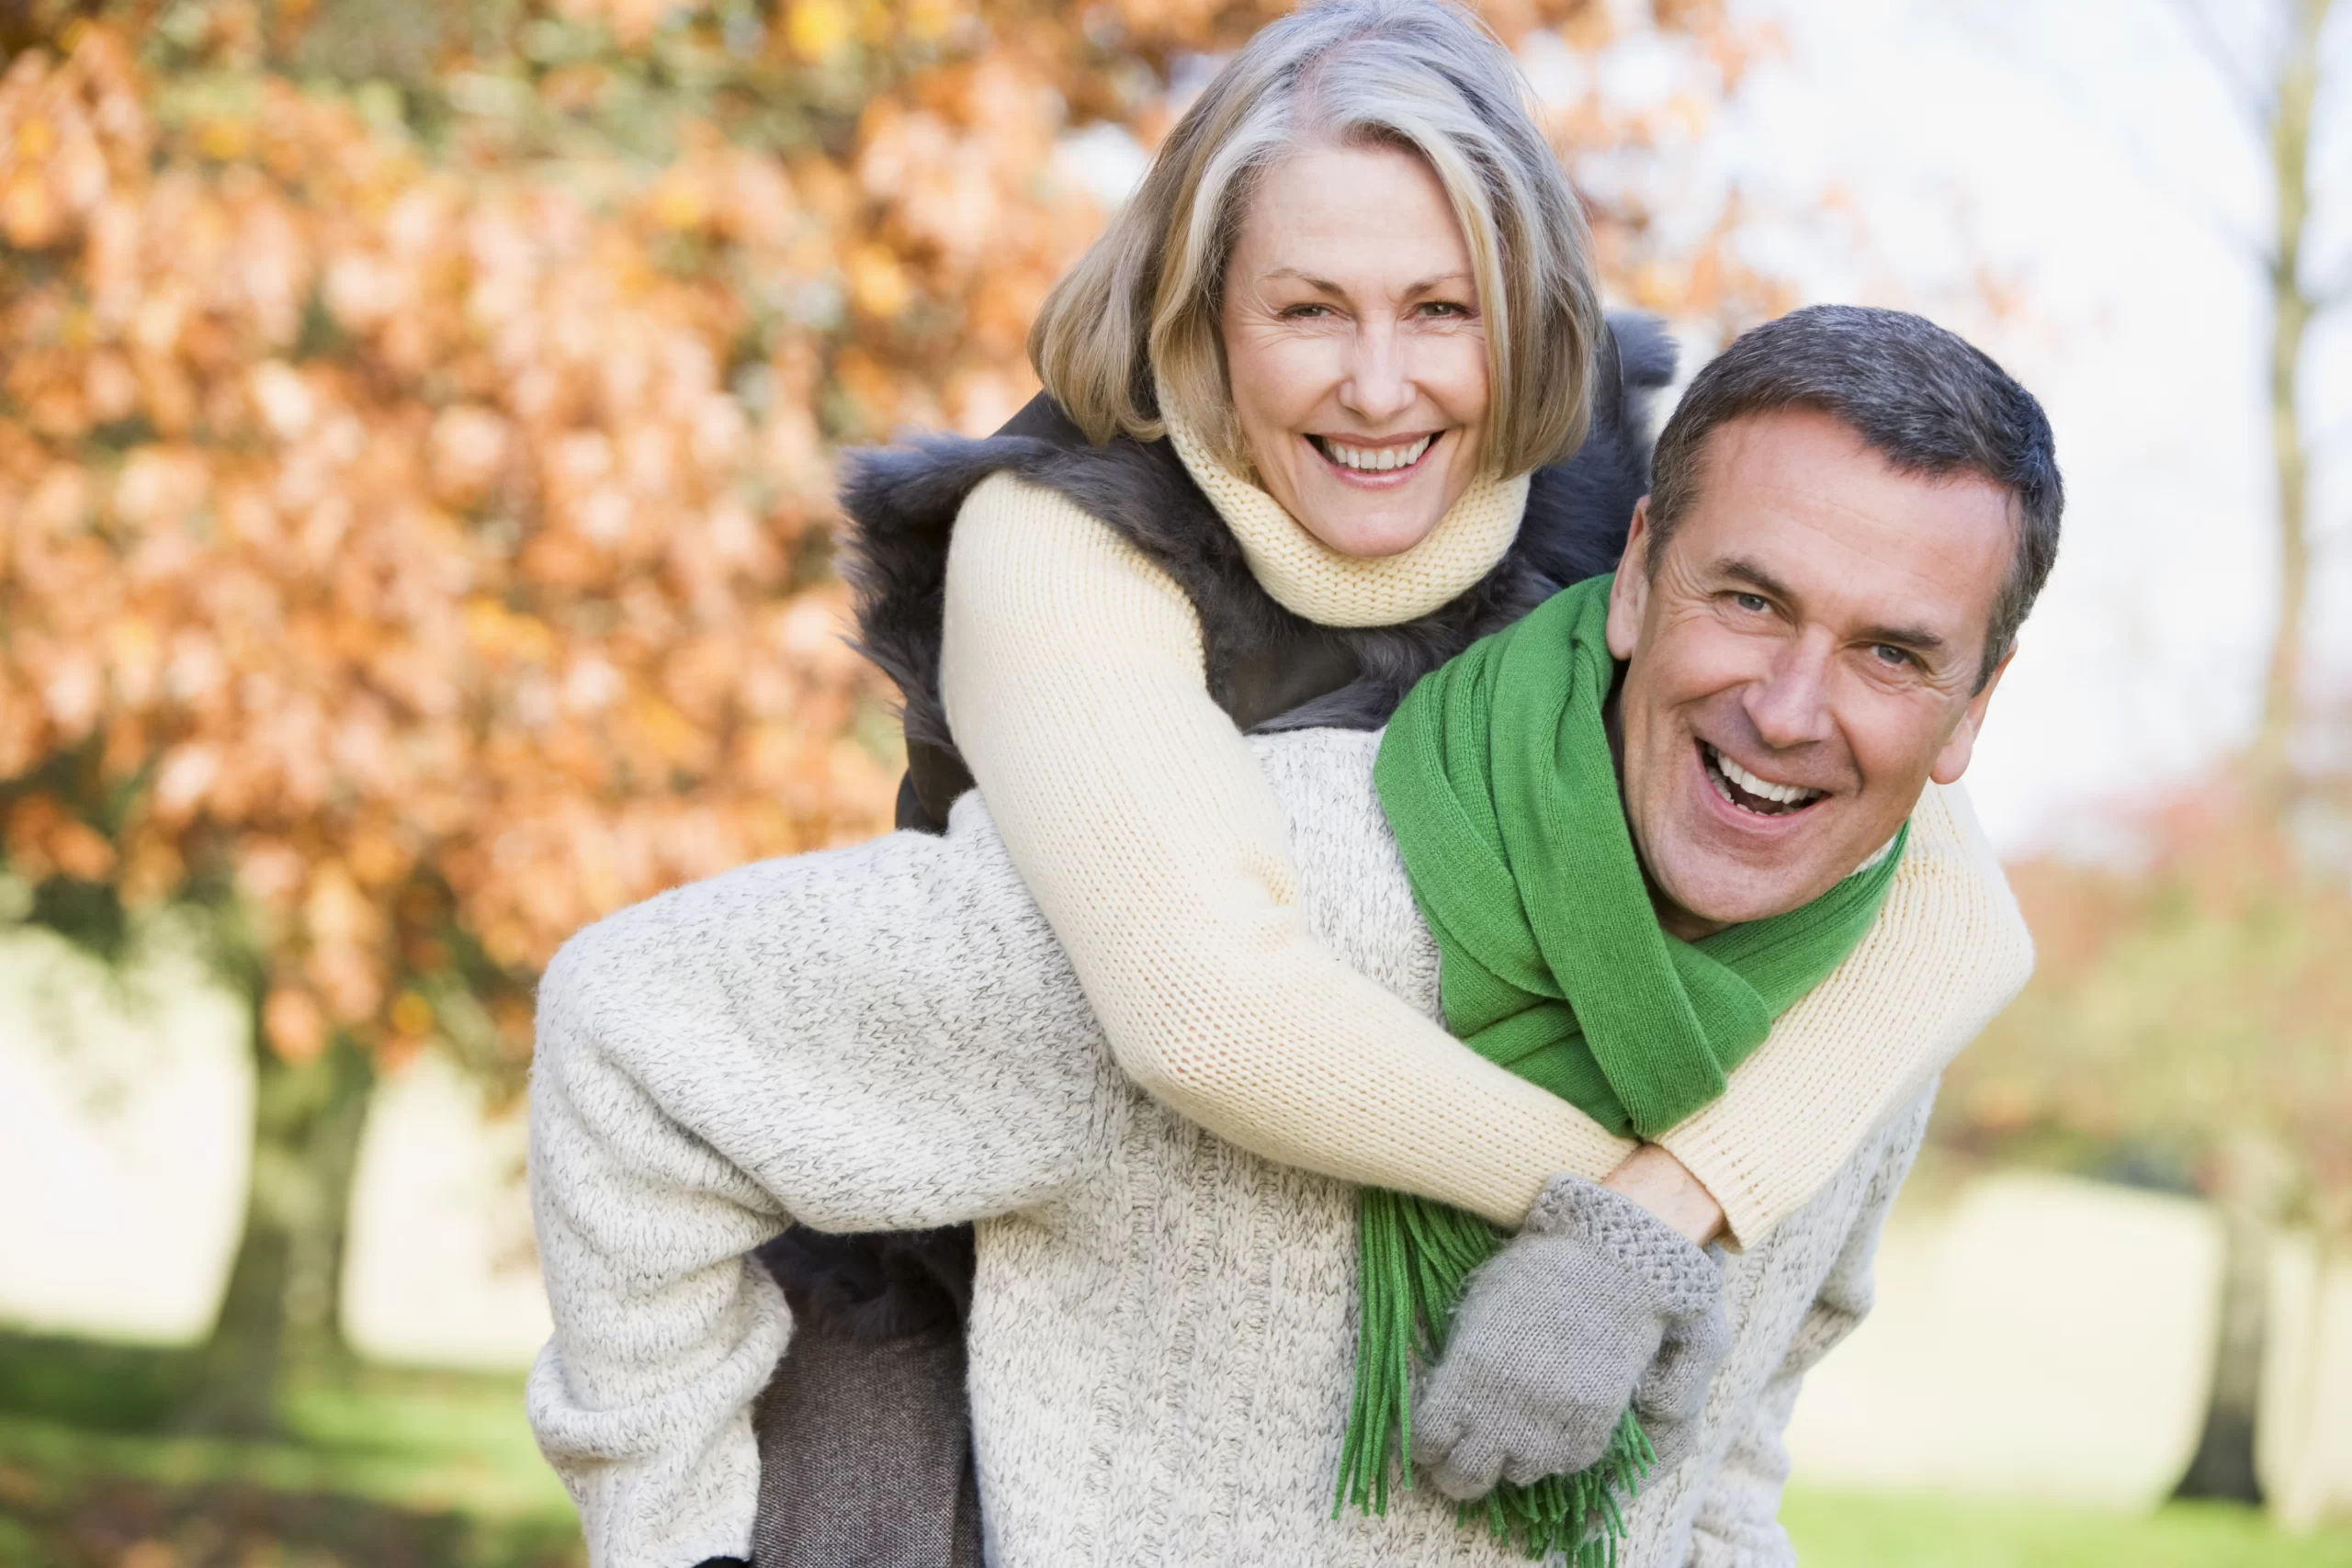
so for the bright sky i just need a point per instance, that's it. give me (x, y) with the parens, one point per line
(2085, 151)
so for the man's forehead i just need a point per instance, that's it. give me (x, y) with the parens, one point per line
(1797, 503)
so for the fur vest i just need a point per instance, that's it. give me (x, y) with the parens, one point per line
(1268, 667)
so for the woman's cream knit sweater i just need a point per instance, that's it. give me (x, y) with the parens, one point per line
(1072, 675)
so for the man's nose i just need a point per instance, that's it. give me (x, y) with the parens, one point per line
(1791, 706)
(1380, 384)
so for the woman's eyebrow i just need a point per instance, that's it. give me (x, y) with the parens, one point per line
(1326, 285)
(1323, 285)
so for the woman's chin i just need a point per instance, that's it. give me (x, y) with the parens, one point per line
(1372, 541)
(1371, 527)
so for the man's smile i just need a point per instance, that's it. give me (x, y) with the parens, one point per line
(1749, 793)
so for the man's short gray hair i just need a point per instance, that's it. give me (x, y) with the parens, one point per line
(1923, 399)
(1423, 77)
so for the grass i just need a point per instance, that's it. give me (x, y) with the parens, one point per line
(374, 1468)
(1874, 1530)
(385, 1469)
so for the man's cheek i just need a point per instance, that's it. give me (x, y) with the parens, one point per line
(1709, 658)
(1896, 737)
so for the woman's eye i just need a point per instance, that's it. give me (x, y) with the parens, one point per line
(1305, 313)
(1446, 308)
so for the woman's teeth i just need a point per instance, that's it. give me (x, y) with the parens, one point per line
(1372, 460)
(1748, 792)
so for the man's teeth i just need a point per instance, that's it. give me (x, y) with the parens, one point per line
(1373, 460)
(1723, 770)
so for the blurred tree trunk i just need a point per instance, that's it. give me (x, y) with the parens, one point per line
(2292, 308)
(282, 1310)
(2224, 1465)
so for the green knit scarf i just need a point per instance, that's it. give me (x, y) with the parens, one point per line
(1497, 777)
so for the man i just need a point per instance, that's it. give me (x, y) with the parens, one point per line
(1852, 513)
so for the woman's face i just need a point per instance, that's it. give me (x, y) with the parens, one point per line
(1355, 348)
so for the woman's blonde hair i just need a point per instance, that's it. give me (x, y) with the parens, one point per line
(1421, 75)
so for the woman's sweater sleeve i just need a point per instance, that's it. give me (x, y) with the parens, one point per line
(1072, 675)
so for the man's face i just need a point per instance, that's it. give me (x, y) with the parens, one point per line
(1803, 662)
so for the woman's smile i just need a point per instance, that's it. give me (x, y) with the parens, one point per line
(1386, 463)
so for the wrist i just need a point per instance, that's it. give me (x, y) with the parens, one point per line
(1662, 1184)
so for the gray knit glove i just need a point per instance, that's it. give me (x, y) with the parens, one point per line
(1596, 1305)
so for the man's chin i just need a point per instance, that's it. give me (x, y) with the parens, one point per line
(1733, 884)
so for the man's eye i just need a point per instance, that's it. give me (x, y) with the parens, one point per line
(1751, 602)
(1888, 654)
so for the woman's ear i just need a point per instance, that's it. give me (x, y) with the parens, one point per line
(1628, 592)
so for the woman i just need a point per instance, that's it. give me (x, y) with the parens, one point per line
(1307, 404)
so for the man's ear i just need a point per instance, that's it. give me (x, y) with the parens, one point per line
(1952, 760)
(1628, 592)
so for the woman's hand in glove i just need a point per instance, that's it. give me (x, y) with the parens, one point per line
(1595, 1307)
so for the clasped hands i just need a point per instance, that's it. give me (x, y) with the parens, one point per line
(1595, 1307)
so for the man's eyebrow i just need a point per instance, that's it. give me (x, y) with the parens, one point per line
(1920, 639)
(1741, 569)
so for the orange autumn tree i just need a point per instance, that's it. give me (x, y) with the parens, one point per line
(415, 439)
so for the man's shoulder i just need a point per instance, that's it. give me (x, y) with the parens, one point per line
(1353, 886)
(897, 894)
(1318, 768)
(1323, 780)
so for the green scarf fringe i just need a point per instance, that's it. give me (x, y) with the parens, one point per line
(1415, 1255)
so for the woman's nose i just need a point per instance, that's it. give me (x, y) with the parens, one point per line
(1379, 385)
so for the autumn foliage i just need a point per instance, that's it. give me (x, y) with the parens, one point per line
(388, 543)
(417, 534)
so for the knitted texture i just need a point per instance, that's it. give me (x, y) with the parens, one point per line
(1594, 1270)
(888, 1036)
(1311, 578)
(1073, 674)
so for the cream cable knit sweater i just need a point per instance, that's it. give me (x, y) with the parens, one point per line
(1073, 674)
(1163, 1326)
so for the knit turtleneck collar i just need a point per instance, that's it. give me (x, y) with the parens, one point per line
(1310, 579)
